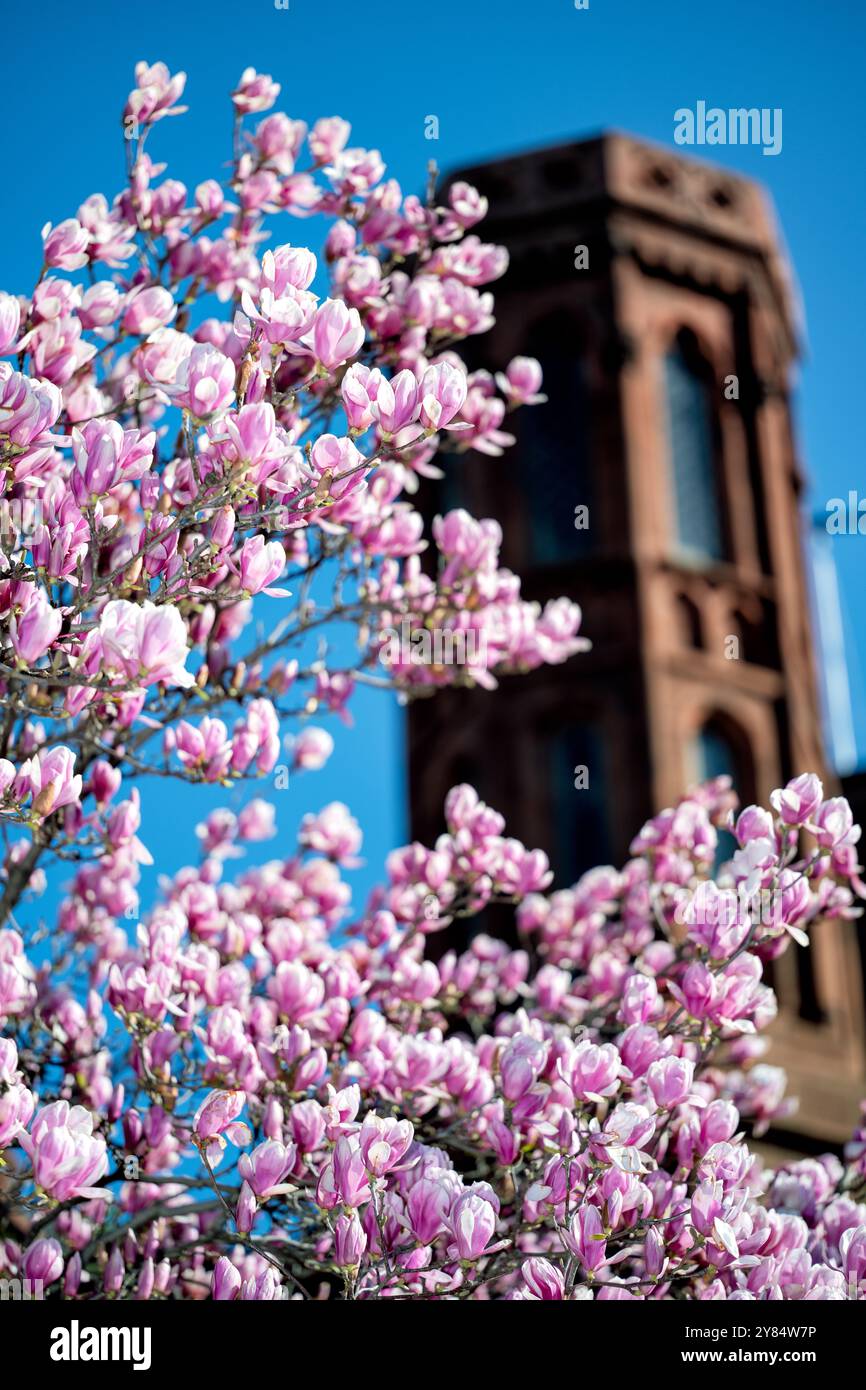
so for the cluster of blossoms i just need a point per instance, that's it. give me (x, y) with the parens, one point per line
(309, 1104)
(264, 1092)
(172, 466)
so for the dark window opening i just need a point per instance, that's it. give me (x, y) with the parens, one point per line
(580, 830)
(694, 452)
(722, 751)
(552, 453)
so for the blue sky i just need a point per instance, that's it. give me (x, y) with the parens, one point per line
(501, 75)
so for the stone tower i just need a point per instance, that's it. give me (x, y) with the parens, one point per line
(660, 489)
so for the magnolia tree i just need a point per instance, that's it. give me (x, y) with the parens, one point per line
(259, 1092)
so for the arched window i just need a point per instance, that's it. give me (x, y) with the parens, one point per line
(693, 444)
(552, 455)
(715, 753)
(721, 749)
(577, 775)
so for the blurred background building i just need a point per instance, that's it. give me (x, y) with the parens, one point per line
(654, 290)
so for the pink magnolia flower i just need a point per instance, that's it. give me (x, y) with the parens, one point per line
(472, 1224)
(68, 1159)
(585, 1238)
(256, 738)
(355, 171)
(834, 823)
(640, 1000)
(350, 1241)
(148, 309)
(16, 1101)
(256, 821)
(253, 436)
(670, 1081)
(17, 991)
(155, 93)
(261, 1288)
(340, 462)
(699, 990)
(852, 1249)
(245, 1213)
(311, 749)
(35, 630)
(100, 305)
(383, 1143)
(797, 802)
(717, 919)
(255, 92)
(205, 382)
(328, 137)
(344, 1179)
(266, 1167)
(114, 1273)
(336, 335)
(520, 1065)
(708, 1212)
(51, 780)
(754, 823)
(468, 205)
(105, 455)
(284, 319)
(110, 233)
(543, 1280)
(396, 402)
(341, 1111)
(28, 409)
(206, 749)
(443, 391)
(159, 358)
(57, 350)
(64, 247)
(293, 266)
(8, 1062)
(72, 1277)
(358, 390)
(260, 562)
(43, 1262)
(278, 139)
(210, 199)
(296, 990)
(521, 381)
(592, 1070)
(334, 832)
(54, 298)
(226, 1280)
(144, 643)
(467, 543)
(10, 322)
(216, 1121)
(428, 1207)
